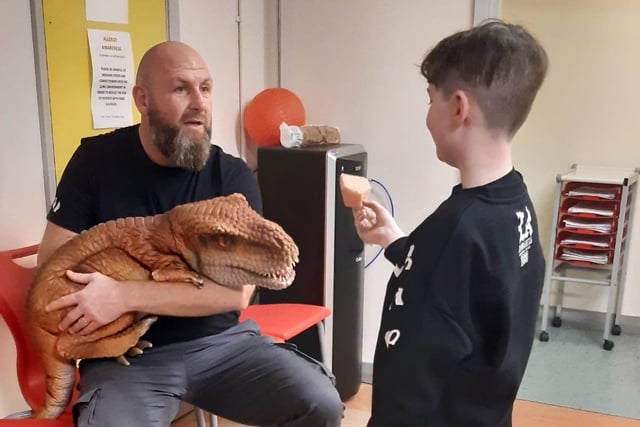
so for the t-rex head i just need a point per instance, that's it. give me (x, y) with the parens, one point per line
(225, 240)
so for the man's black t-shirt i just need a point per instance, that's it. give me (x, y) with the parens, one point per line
(109, 176)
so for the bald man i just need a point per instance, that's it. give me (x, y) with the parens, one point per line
(201, 353)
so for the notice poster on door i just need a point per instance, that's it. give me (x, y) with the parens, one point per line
(114, 11)
(112, 78)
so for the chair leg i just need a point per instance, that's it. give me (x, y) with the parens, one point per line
(199, 413)
(18, 415)
(323, 352)
(200, 420)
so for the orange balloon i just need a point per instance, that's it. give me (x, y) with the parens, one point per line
(267, 110)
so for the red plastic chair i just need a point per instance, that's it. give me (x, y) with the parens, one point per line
(284, 321)
(14, 282)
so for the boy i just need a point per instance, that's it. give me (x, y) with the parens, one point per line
(460, 308)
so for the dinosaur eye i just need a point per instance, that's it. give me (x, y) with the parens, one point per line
(224, 240)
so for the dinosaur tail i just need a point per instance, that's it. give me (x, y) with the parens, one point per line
(60, 378)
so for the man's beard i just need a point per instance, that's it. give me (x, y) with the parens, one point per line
(182, 150)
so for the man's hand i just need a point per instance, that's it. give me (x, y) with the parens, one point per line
(375, 224)
(98, 303)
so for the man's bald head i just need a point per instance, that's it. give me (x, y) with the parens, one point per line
(165, 56)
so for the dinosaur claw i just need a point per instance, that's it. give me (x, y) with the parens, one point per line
(134, 351)
(122, 360)
(168, 274)
(143, 345)
(197, 281)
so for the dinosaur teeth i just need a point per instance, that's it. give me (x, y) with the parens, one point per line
(282, 275)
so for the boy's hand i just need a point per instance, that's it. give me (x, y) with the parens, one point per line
(375, 224)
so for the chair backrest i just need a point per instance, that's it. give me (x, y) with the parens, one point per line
(14, 283)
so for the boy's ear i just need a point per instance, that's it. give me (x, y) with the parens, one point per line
(460, 106)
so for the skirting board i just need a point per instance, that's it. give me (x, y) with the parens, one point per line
(367, 372)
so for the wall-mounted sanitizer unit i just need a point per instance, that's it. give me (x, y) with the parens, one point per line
(300, 191)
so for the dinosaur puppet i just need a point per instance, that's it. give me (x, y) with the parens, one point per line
(221, 239)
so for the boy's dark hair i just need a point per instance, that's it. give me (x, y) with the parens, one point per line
(502, 65)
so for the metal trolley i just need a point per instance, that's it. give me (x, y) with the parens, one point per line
(591, 228)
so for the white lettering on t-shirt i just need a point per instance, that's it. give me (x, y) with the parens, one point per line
(55, 205)
(525, 230)
(391, 337)
(406, 266)
(399, 297)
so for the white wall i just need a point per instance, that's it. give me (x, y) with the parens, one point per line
(22, 205)
(241, 57)
(258, 60)
(355, 65)
(587, 111)
(211, 28)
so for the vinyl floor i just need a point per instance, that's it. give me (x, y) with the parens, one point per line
(573, 370)
(526, 414)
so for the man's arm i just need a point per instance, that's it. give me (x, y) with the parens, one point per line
(54, 236)
(103, 299)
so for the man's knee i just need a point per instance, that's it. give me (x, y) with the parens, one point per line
(325, 405)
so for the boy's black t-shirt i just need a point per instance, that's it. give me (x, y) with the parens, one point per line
(109, 176)
(459, 313)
